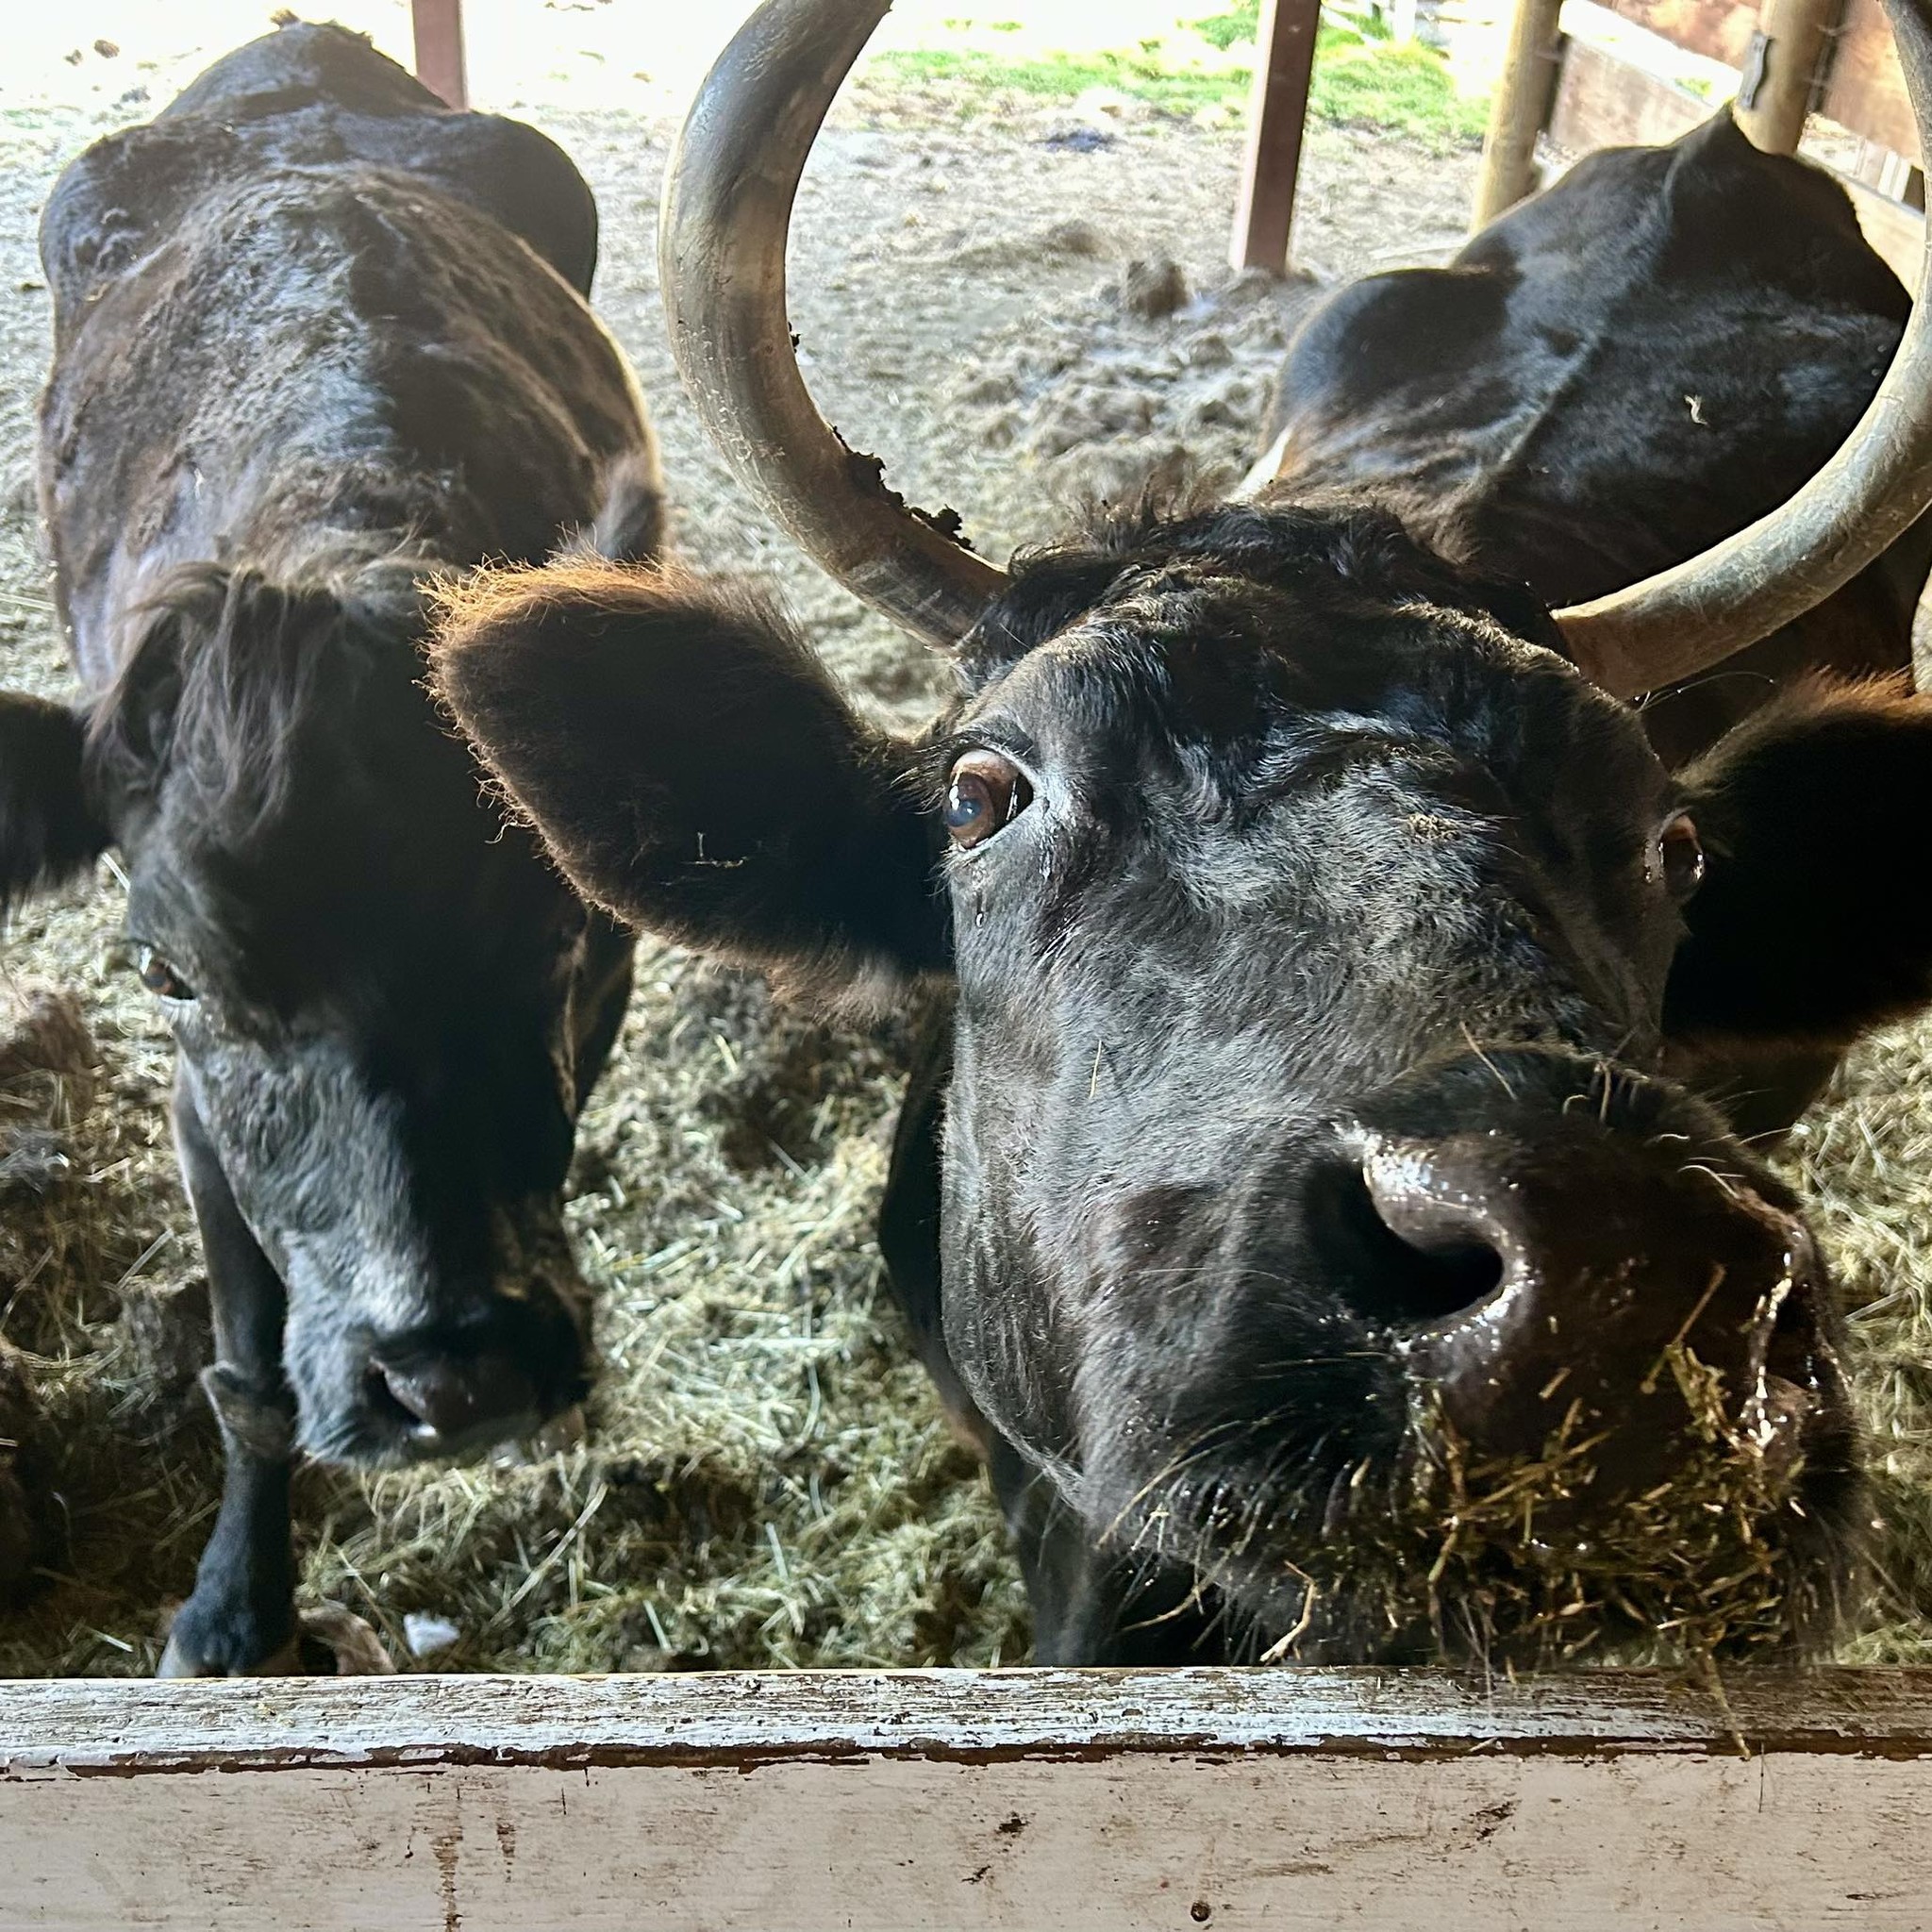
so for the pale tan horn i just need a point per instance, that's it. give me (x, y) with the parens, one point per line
(1683, 621)
(721, 260)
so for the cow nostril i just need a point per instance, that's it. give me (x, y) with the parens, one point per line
(451, 1397)
(1402, 1261)
(1441, 1244)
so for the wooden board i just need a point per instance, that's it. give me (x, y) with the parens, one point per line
(439, 33)
(1602, 101)
(1277, 114)
(1073, 1799)
(1718, 29)
(1865, 90)
(1897, 232)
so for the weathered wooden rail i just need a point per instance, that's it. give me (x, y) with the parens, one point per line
(1794, 58)
(1068, 1799)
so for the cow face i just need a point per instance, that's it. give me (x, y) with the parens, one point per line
(1318, 1213)
(387, 1008)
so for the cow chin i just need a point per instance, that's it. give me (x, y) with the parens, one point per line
(1576, 1551)
(441, 1371)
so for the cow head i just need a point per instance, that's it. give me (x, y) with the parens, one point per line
(387, 1006)
(1319, 1209)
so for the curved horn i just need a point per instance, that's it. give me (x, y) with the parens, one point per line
(721, 261)
(1682, 621)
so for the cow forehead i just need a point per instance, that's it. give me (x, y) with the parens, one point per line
(347, 894)
(1219, 667)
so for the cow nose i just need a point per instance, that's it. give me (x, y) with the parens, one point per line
(453, 1398)
(1597, 1283)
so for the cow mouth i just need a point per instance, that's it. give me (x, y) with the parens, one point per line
(1631, 1448)
(387, 1435)
(1551, 1558)
(1558, 1556)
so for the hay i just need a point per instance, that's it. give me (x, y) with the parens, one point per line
(1474, 1560)
(1863, 1160)
(766, 1482)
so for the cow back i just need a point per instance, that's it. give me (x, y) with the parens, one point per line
(305, 97)
(1614, 376)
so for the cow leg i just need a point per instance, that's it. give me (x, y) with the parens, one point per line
(240, 1619)
(602, 996)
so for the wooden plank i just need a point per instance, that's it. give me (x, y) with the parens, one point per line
(1891, 175)
(1075, 1799)
(1897, 232)
(1784, 72)
(1718, 29)
(1604, 102)
(1277, 114)
(439, 30)
(1521, 107)
(1866, 91)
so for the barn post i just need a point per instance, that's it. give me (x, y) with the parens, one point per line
(439, 26)
(1521, 108)
(1784, 71)
(1278, 112)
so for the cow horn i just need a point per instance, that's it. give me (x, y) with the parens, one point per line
(1683, 621)
(721, 261)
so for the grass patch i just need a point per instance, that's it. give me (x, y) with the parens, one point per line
(1358, 81)
(1222, 30)
(1065, 76)
(1365, 83)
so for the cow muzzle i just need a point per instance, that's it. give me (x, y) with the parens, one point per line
(1627, 1298)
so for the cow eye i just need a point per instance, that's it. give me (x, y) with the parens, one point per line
(159, 977)
(984, 792)
(1680, 857)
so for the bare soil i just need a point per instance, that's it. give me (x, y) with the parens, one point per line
(767, 1480)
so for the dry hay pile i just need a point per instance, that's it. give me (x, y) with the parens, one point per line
(767, 1480)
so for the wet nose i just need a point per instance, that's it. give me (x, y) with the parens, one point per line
(455, 1398)
(1601, 1284)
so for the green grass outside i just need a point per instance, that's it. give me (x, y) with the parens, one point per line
(1359, 80)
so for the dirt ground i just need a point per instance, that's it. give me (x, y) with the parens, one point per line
(766, 1481)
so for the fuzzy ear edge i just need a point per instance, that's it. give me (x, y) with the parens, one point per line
(693, 768)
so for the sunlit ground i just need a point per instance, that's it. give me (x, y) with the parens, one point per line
(640, 54)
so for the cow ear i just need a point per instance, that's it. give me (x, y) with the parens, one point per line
(693, 768)
(1814, 919)
(49, 830)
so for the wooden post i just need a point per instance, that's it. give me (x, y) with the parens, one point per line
(1784, 71)
(1522, 106)
(1277, 111)
(438, 25)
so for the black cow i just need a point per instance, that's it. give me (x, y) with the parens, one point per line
(1300, 1204)
(319, 343)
